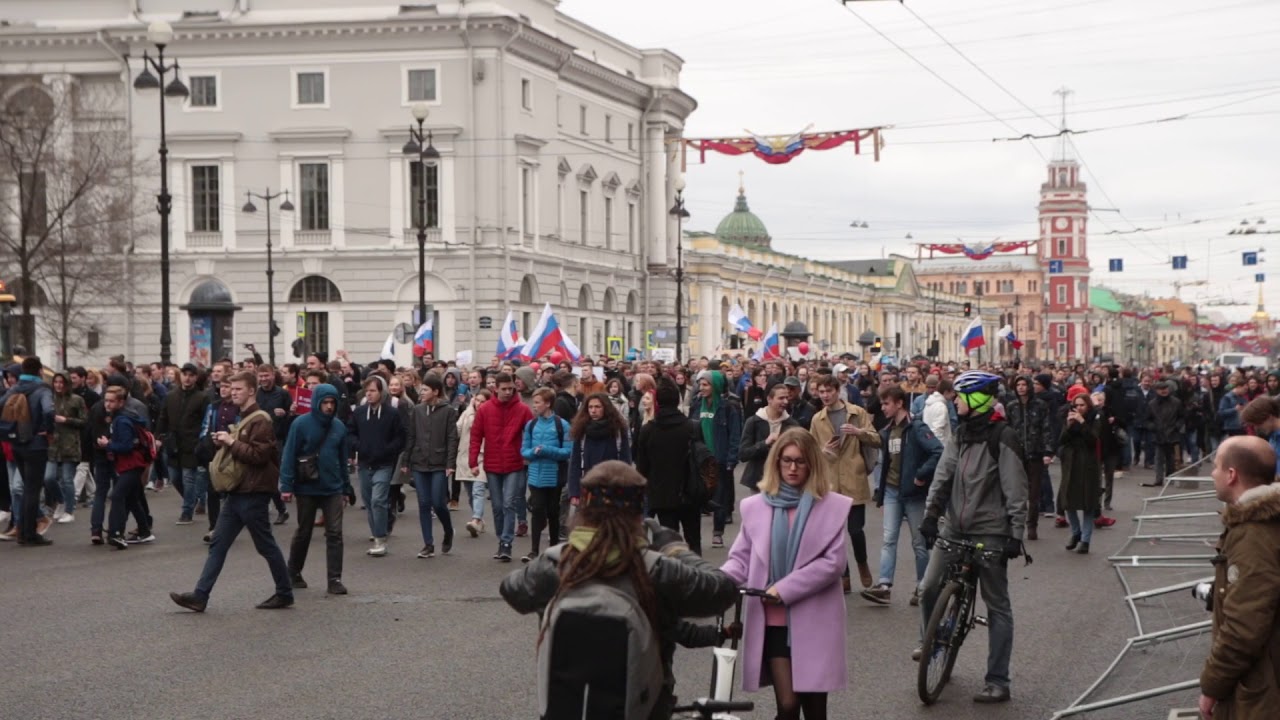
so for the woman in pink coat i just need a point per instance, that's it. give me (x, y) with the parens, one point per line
(792, 544)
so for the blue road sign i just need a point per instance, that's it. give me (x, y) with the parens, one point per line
(1116, 264)
(1179, 262)
(1250, 258)
(1055, 267)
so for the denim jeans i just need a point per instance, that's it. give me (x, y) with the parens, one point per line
(993, 581)
(83, 481)
(477, 492)
(60, 484)
(104, 474)
(1047, 497)
(30, 466)
(375, 486)
(126, 497)
(895, 511)
(1144, 445)
(15, 492)
(195, 483)
(332, 506)
(433, 494)
(506, 490)
(1081, 524)
(1191, 445)
(244, 511)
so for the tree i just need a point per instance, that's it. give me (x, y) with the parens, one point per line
(66, 204)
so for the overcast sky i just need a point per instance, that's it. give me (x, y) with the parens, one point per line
(775, 67)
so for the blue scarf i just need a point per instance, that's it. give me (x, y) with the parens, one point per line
(784, 542)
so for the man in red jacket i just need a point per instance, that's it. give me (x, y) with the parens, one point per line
(498, 427)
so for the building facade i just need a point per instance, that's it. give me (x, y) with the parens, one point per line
(1003, 290)
(552, 185)
(1064, 256)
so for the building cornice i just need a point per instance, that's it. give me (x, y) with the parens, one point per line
(309, 134)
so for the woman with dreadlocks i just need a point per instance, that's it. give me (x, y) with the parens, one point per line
(792, 544)
(611, 554)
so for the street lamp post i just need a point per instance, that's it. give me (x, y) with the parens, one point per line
(420, 145)
(1017, 310)
(160, 33)
(285, 206)
(680, 214)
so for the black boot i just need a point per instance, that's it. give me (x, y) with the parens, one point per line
(1075, 540)
(1083, 549)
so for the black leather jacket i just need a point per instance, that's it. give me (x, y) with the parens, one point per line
(1031, 421)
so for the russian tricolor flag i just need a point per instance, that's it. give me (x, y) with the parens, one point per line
(548, 336)
(972, 338)
(770, 348)
(424, 340)
(1006, 332)
(739, 320)
(509, 340)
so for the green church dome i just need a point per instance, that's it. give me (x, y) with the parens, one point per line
(742, 226)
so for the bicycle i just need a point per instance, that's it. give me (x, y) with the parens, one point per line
(953, 615)
(708, 709)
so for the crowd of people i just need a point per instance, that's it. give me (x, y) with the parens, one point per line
(558, 449)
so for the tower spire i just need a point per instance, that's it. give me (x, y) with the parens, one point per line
(1063, 92)
(742, 187)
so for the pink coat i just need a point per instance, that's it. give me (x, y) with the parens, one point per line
(812, 591)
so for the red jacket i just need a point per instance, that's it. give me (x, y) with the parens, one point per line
(498, 427)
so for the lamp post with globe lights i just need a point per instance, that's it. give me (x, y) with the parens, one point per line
(160, 33)
(680, 214)
(420, 145)
(285, 206)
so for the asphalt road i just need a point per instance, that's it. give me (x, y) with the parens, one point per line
(90, 632)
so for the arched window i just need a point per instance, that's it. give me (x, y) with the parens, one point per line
(584, 297)
(315, 289)
(528, 291)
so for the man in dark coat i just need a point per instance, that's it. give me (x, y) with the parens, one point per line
(1165, 418)
(178, 429)
(662, 457)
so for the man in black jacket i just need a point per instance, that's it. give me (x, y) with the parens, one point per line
(662, 457)
(380, 436)
(1029, 417)
(178, 429)
(1165, 417)
(275, 401)
(84, 471)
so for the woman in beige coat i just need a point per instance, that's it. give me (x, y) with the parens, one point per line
(849, 442)
(473, 485)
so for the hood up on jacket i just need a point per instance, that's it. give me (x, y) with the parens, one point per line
(321, 393)
(528, 377)
(1257, 504)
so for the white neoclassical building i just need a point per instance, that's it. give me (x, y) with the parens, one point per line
(553, 182)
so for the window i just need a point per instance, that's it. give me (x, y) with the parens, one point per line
(1062, 349)
(204, 92)
(1062, 247)
(34, 207)
(1033, 285)
(631, 136)
(206, 203)
(582, 119)
(631, 228)
(560, 208)
(1062, 330)
(420, 85)
(315, 289)
(433, 194)
(314, 181)
(526, 94)
(310, 88)
(317, 340)
(559, 121)
(526, 200)
(1062, 294)
(608, 128)
(608, 222)
(584, 212)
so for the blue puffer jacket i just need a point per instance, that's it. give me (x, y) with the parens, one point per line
(544, 467)
(312, 433)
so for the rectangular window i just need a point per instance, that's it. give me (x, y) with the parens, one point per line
(317, 332)
(631, 228)
(1062, 247)
(582, 119)
(584, 212)
(420, 85)
(631, 136)
(206, 202)
(432, 188)
(309, 88)
(34, 203)
(526, 200)
(204, 91)
(1062, 294)
(314, 206)
(608, 128)
(1062, 349)
(608, 223)
(1062, 330)
(526, 94)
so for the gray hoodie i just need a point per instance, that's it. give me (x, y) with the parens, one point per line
(978, 493)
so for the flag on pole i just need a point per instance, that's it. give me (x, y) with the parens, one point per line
(770, 348)
(1006, 332)
(424, 339)
(389, 348)
(972, 338)
(548, 336)
(509, 340)
(739, 320)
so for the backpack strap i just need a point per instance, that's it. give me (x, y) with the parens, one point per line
(559, 429)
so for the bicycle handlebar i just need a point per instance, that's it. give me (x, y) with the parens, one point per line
(707, 706)
(979, 548)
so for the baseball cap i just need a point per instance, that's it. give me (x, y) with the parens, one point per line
(190, 368)
(840, 368)
(792, 382)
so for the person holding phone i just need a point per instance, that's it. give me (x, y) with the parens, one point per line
(1079, 490)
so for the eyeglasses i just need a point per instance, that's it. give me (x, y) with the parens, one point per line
(794, 461)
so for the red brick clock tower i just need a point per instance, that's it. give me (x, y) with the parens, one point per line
(1064, 257)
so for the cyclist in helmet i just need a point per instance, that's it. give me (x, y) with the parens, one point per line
(980, 487)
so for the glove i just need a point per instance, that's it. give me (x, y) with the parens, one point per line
(1013, 550)
(732, 631)
(878, 497)
(351, 499)
(661, 537)
(929, 530)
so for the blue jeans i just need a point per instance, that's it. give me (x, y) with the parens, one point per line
(433, 494)
(60, 484)
(242, 511)
(104, 474)
(1191, 445)
(195, 483)
(375, 486)
(1144, 446)
(478, 492)
(1081, 524)
(1047, 498)
(506, 491)
(895, 511)
(15, 492)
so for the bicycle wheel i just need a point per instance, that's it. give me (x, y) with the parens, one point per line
(938, 653)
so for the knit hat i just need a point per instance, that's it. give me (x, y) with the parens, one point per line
(1045, 380)
(1076, 391)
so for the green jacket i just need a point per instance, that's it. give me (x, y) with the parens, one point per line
(66, 436)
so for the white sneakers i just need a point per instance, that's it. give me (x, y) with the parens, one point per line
(379, 547)
(66, 518)
(4, 517)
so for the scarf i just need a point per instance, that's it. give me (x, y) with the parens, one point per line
(599, 429)
(784, 543)
(580, 538)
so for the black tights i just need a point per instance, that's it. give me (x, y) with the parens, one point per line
(857, 521)
(544, 507)
(791, 703)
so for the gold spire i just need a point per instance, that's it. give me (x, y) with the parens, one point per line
(1261, 316)
(742, 188)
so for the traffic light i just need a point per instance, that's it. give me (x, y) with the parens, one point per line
(968, 309)
(877, 346)
(897, 341)
(275, 328)
(297, 347)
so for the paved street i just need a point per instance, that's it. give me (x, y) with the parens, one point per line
(90, 632)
